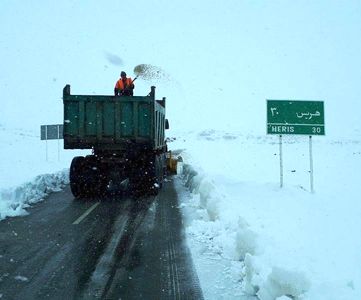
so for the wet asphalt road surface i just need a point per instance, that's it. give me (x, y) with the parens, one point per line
(111, 248)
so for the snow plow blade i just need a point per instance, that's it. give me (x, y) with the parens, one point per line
(172, 162)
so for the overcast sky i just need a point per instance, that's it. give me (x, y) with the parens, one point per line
(222, 59)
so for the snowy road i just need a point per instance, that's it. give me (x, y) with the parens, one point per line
(98, 249)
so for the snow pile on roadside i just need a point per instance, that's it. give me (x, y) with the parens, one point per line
(23, 157)
(14, 201)
(272, 243)
(237, 241)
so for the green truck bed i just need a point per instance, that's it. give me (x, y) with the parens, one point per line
(113, 122)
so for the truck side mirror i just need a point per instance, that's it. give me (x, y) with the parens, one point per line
(166, 124)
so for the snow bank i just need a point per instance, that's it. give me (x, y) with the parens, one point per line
(282, 282)
(199, 184)
(279, 282)
(243, 246)
(272, 243)
(14, 201)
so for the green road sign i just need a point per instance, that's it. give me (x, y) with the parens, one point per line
(51, 132)
(295, 117)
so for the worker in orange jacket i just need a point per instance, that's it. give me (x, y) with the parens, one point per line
(124, 86)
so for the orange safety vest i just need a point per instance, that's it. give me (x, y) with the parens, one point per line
(119, 85)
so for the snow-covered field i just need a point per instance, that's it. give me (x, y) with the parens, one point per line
(273, 242)
(218, 64)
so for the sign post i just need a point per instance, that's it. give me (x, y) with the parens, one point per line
(311, 164)
(51, 132)
(281, 163)
(296, 117)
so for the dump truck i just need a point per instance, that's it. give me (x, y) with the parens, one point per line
(126, 135)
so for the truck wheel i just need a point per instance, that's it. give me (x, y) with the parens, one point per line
(103, 182)
(147, 175)
(75, 176)
(160, 171)
(154, 180)
(94, 177)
